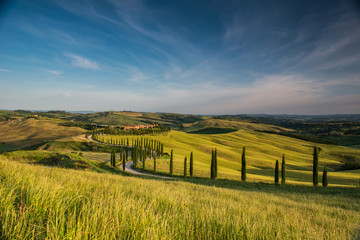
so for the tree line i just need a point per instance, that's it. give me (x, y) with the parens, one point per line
(142, 149)
(120, 131)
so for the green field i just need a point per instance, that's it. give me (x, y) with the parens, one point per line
(262, 150)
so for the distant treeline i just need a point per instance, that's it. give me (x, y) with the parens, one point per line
(120, 131)
(84, 125)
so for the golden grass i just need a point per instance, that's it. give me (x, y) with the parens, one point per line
(32, 131)
(42, 203)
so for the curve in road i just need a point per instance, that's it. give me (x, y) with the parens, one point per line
(128, 165)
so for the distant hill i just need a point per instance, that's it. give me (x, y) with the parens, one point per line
(32, 131)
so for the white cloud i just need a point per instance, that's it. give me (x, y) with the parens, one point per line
(4, 70)
(82, 62)
(55, 72)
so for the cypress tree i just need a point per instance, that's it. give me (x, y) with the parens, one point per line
(171, 162)
(191, 164)
(215, 163)
(141, 155)
(324, 178)
(243, 166)
(277, 172)
(185, 170)
(154, 164)
(113, 158)
(212, 167)
(124, 162)
(315, 166)
(283, 170)
(143, 161)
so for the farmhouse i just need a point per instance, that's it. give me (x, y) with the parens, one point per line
(137, 127)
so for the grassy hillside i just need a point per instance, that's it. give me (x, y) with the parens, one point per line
(44, 203)
(206, 125)
(262, 150)
(31, 131)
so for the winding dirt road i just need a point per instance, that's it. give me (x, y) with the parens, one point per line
(128, 165)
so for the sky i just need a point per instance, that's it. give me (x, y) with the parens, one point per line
(196, 57)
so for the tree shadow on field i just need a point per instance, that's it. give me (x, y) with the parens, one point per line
(270, 188)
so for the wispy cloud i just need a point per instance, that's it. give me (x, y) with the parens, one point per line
(82, 62)
(136, 75)
(4, 70)
(55, 72)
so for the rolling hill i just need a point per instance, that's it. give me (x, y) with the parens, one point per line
(262, 150)
(28, 131)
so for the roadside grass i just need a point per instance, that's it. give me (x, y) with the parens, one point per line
(262, 150)
(89, 161)
(55, 203)
(54, 159)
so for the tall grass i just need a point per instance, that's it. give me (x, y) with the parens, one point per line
(42, 203)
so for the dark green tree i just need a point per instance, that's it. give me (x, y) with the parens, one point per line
(243, 166)
(185, 167)
(315, 166)
(112, 160)
(277, 172)
(191, 164)
(154, 164)
(123, 161)
(171, 162)
(283, 176)
(324, 178)
(212, 167)
(215, 163)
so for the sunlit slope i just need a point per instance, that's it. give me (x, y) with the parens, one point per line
(124, 117)
(218, 124)
(32, 131)
(262, 150)
(51, 203)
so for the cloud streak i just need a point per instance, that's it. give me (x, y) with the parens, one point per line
(54, 72)
(82, 62)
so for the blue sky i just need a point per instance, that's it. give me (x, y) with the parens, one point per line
(201, 57)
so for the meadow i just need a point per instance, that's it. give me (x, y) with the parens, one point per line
(262, 150)
(53, 203)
